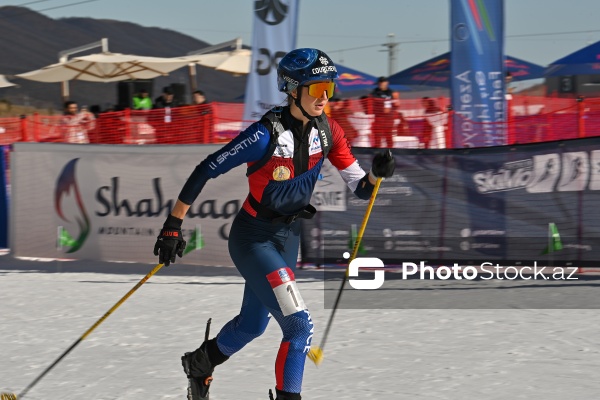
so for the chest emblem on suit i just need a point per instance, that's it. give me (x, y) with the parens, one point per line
(281, 173)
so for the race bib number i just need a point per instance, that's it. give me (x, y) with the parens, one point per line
(286, 291)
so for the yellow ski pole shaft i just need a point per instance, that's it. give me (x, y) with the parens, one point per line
(90, 330)
(316, 354)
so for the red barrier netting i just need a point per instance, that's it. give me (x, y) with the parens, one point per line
(11, 130)
(368, 122)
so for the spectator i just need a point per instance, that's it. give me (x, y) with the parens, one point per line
(204, 118)
(199, 97)
(75, 124)
(341, 112)
(383, 123)
(400, 122)
(434, 134)
(166, 99)
(164, 128)
(142, 101)
(141, 132)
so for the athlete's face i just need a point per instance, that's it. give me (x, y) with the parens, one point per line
(316, 96)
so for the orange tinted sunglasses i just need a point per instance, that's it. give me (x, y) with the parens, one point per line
(317, 89)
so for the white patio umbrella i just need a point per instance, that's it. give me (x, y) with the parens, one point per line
(235, 61)
(5, 83)
(106, 67)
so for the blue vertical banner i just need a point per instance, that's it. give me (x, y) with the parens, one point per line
(274, 35)
(3, 200)
(477, 73)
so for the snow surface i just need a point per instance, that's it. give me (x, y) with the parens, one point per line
(370, 354)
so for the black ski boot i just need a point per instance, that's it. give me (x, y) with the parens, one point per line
(281, 395)
(199, 366)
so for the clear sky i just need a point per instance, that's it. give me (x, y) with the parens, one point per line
(354, 32)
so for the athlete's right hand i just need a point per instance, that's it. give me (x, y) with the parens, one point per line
(170, 241)
(383, 165)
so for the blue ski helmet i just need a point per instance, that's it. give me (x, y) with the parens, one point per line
(303, 65)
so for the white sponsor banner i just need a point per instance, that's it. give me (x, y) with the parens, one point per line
(543, 173)
(106, 202)
(273, 36)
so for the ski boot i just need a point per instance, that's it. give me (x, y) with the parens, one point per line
(281, 395)
(199, 366)
(198, 385)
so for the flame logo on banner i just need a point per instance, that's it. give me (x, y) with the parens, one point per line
(66, 186)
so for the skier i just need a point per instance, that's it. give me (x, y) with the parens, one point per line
(284, 152)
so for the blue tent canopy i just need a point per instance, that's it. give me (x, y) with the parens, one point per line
(585, 61)
(436, 71)
(351, 80)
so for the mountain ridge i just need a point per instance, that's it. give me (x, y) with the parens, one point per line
(34, 41)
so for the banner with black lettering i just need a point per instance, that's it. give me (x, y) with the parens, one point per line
(109, 203)
(494, 205)
(477, 73)
(274, 35)
(499, 205)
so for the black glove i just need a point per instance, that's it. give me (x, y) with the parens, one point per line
(170, 241)
(383, 165)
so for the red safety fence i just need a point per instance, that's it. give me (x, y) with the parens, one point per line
(367, 122)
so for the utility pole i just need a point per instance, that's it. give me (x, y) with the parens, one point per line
(391, 49)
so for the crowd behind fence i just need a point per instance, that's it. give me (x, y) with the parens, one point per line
(529, 120)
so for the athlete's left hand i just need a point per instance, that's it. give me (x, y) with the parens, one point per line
(383, 165)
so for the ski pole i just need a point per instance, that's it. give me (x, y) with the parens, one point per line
(315, 354)
(12, 396)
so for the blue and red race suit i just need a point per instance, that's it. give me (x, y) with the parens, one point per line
(263, 241)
